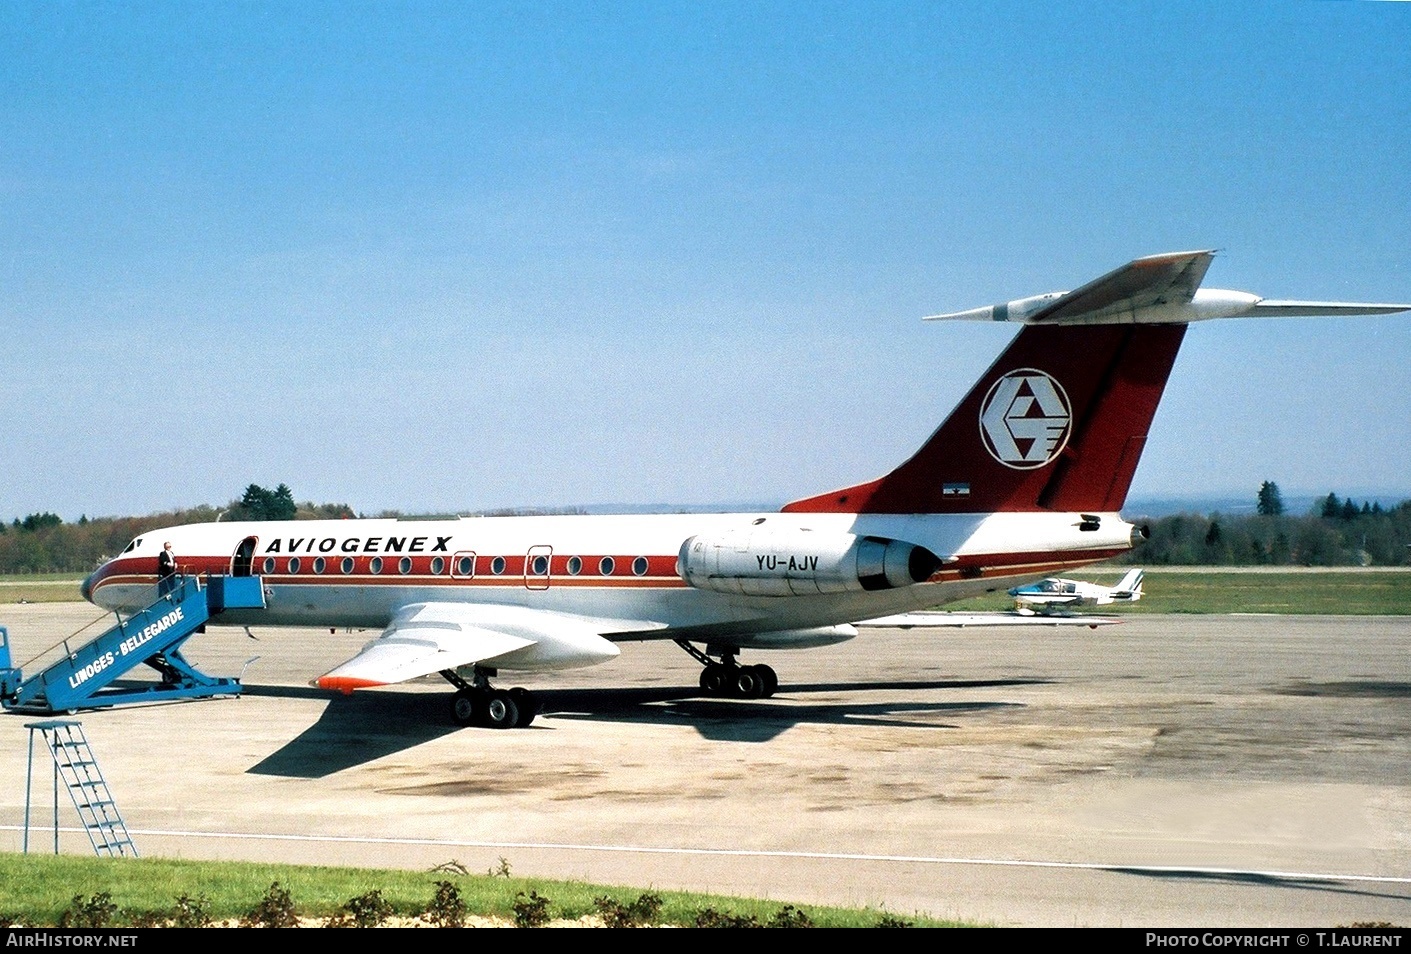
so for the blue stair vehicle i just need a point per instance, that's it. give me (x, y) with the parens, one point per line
(85, 677)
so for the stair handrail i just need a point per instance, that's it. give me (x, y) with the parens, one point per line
(63, 642)
(183, 581)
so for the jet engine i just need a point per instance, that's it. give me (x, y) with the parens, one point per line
(801, 562)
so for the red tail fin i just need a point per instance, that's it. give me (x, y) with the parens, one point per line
(1057, 423)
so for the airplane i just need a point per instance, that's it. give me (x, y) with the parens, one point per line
(1055, 593)
(1025, 477)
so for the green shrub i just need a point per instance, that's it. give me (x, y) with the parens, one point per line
(96, 912)
(365, 911)
(191, 912)
(790, 917)
(641, 912)
(711, 918)
(531, 911)
(446, 908)
(275, 910)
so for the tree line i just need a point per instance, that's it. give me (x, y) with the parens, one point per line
(1337, 532)
(44, 543)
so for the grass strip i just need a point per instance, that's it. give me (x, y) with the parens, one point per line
(40, 588)
(37, 890)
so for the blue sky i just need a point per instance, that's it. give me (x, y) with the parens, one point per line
(452, 257)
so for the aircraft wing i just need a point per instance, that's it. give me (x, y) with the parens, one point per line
(1047, 600)
(1172, 278)
(425, 638)
(943, 620)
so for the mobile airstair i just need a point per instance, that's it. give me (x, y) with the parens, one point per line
(85, 677)
(76, 769)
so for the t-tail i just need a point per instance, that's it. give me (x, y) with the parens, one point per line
(1059, 422)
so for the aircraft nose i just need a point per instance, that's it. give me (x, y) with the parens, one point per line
(85, 589)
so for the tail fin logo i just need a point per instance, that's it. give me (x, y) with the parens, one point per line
(1025, 419)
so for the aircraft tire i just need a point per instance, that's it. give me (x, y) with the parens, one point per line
(769, 680)
(747, 683)
(498, 710)
(464, 708)
(715, 681)
(528, 706)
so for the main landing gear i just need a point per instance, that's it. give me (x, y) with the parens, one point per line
(481, 704)
(726, 679)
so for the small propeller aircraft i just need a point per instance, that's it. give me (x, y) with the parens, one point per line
(1056, 593)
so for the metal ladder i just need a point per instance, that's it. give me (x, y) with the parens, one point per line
(77, 767)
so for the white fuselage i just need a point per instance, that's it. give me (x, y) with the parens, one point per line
(1062, 592)
(621, 571)
(1057, 593)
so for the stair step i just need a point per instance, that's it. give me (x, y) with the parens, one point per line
(106, 831)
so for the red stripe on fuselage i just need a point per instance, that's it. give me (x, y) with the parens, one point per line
(135, 570)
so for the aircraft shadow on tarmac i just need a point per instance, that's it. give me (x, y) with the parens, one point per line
(1263, 880)
(359, 729)
(735, 720)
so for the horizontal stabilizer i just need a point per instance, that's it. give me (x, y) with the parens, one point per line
(1156, 290)
(1144, 283)
(1271, 308)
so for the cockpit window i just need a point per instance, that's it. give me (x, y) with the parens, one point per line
(133, 545)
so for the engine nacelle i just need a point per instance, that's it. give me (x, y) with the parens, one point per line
(801, 562)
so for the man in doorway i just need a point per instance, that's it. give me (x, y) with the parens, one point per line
(166, 570)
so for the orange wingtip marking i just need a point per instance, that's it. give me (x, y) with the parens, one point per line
(346, 684)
